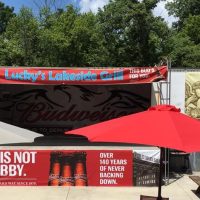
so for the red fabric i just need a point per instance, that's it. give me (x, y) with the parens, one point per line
(81, 76)
(165, 108)
(162, 126)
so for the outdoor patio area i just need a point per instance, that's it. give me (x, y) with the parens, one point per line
(181, 189)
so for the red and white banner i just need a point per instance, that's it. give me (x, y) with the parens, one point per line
(81, 76)
(66, 168)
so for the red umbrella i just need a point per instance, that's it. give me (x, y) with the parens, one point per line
(161, 125)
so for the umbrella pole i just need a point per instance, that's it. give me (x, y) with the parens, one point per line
(160, 173)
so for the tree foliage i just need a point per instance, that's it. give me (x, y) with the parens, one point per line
(123, 33)
(131, 32)
(182, 9)
(22, 38)
(185, 43)
(6, 13)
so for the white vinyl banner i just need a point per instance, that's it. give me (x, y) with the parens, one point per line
(172, 91)
(177, 97)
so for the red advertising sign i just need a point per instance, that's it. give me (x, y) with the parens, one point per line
(81, 76)
(66, 168)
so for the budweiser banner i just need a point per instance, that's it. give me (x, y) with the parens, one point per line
(192, 94)
(50, 109)
(80, 76)
(66, 168)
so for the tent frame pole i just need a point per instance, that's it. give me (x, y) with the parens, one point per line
(160, 173)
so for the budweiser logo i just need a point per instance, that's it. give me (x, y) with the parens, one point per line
(70, 106)
(34, 112)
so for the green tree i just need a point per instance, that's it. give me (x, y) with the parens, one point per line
(21, 38)
(55, 38)
(183, 52)
(124, 33)
(132, 33)
(184, 45)
(6, 13)
(182, 9)
(72, 39)
(87, 42)
(192, 28)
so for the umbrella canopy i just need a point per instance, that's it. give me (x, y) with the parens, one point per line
(161, 125)
(13, 134)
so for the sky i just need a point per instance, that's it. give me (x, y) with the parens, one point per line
(84, 5)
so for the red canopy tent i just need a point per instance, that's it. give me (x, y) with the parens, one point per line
(46, 99)
(81, 76)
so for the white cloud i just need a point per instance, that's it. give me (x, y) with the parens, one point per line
(92, 5)
(161, 11)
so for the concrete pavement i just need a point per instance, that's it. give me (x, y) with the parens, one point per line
(181, 189)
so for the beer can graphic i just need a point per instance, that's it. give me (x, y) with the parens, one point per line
(67, 175)
(55, 168)
(80, 173)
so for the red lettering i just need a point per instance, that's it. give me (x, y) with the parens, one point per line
(37, 112)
